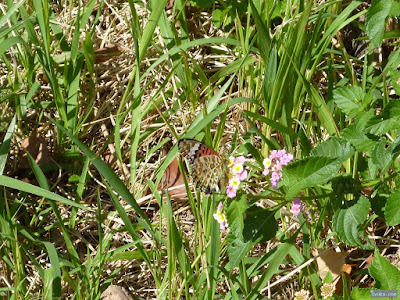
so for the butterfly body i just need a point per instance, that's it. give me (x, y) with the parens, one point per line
(207, 167)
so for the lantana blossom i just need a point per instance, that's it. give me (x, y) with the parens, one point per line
(237, 173)
(273, 165)
(220, 216)
(230, 192)
(298, 207)
(234, 182)
(237, 168)
(242, 176)
(231, 161)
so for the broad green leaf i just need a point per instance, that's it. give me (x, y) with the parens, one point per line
(260, 225)
(395, 79)
(392, 211)
(388, 120)
(372, 168)
(347, 223)
(308, 172)
(378, 204)
(357, 138)
(237, 247)
(386, 275)
(335, 147)
(394, 148)
(381, 156)
(395, 10)
(361, 294)
(349, 99)
(363, 119)
(376, 20)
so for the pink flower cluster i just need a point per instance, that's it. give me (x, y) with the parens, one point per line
(237, 173)
(298, 207)
(273, 164)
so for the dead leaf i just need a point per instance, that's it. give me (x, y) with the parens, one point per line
(330, 261)
(172, 178)
(347, 270)
(368, 261)
(115, 292)
(104, 54)
(36, 145)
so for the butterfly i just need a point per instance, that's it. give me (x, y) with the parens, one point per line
(206, 166)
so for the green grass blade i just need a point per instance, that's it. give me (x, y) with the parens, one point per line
(55, 277)
(32, 189)
(5, 146)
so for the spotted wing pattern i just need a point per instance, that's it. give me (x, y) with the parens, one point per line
(206, 165)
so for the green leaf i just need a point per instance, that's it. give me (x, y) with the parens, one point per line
(335, 147)
(357, 138)
(237, 247)
(381, 157)
(347, 223)
(376, 20)
(395, 10)
(218, 17)
(392, 211)
(378, 204)
(349, 99)
(395, 80)
(363, 119)
(308, 172)
(260, 225)
(360, 294)
(388, 120)
(386, 275)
